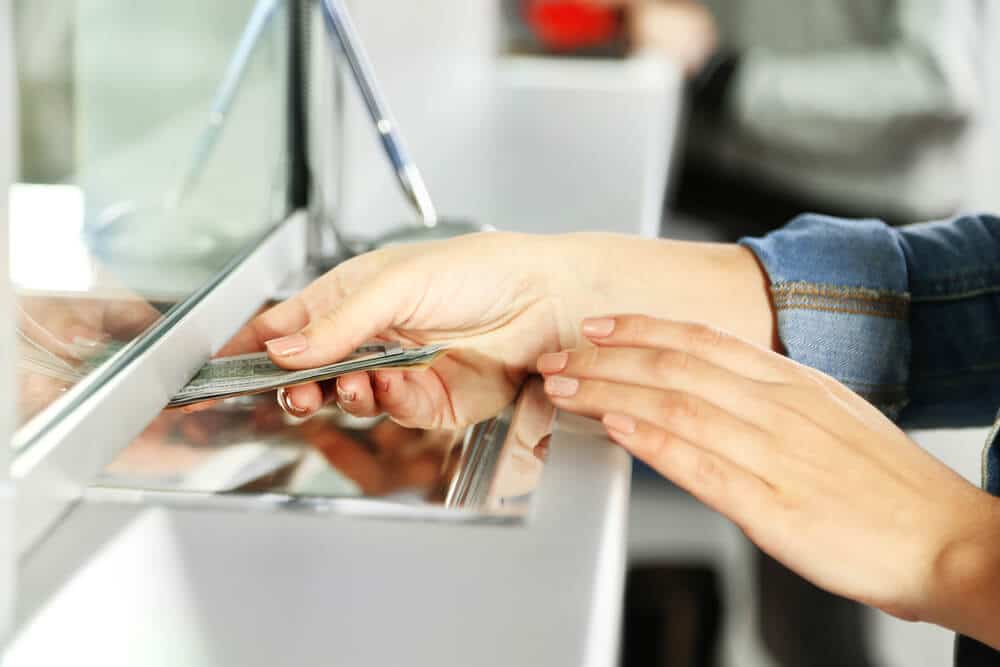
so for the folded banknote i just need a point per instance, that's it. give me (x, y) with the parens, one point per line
(228, 377)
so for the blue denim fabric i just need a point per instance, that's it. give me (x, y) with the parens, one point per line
(907, 317)
(841, 291)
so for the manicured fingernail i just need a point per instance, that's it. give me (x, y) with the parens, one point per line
(286, 403)
(619, 423)
(562, 387)
(287, 346)
(598, 327)
(346, 396)
(554, 362)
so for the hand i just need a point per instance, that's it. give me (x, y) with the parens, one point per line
(683, 30)
(73, 330)
(393, 459)
(500, 300)
(811, 472)
(489, 296)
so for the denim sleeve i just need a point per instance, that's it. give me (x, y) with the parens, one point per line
(909, 318)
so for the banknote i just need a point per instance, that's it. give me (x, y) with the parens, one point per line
(229, 377)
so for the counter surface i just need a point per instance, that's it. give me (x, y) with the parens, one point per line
(204, 588)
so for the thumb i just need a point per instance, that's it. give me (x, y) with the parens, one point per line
(358, 318)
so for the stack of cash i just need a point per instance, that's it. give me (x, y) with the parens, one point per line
(71, 367)
(228, 377)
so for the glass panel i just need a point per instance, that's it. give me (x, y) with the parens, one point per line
(7, 553)
(247, 447)
(154, 151)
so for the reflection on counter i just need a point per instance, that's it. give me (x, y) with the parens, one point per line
(248, 447)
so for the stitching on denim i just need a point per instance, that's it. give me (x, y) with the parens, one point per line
(872, 311)
(817, 289)
(970, 294)
(836, 299)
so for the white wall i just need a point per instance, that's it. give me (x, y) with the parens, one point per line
(524, 144)
(434, 60)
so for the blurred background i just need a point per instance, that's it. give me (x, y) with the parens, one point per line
(700, 120)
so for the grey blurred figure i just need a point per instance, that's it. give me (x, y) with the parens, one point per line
(881, 106)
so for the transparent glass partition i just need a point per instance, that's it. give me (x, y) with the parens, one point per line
(7, 554)
(154, 153)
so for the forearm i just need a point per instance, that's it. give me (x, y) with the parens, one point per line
(718, 284)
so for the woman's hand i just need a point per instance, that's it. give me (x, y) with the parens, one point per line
(811, 472)
(500, 300)
(490, 297)
(73, 330)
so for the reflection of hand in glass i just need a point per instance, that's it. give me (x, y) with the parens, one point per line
(63, 333)
(72, 327)
(519, 465)
(395, 458)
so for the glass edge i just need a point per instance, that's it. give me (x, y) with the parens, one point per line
(43, 423)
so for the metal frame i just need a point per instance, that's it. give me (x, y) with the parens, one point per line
(55, 467)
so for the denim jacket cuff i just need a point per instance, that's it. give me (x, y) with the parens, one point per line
(840, 291)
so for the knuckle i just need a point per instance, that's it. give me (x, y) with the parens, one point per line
(708, 474)
(588, 359)
(658, 446)
(635, 327)
(668, 362)
(677, 407)
(703, 336)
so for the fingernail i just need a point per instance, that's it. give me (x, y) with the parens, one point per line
(562, 387)
(286, 403)
(553, 362)
(287, 346)
(346, 396)
(89, 343)
(619, 423)
(598, 327)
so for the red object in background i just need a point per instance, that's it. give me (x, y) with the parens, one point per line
(565, 25)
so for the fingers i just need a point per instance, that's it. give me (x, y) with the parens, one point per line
(664, 369)
(333, 334)
(281, 320)
(726, 487)
(301, 401)
(325, 294)
(682, 415)
(356, 396)
(699, 340)
(125, 319)
(359, 394)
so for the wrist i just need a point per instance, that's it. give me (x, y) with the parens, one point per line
(719, 284)
(965, 576)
